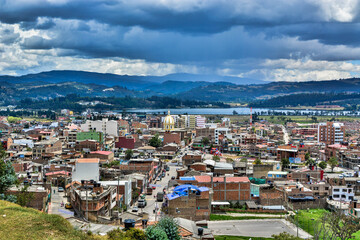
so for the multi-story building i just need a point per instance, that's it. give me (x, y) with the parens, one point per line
(200, 121)
(342, 193)
(47, 148)
(92, 200)
(190, 202)
(331, 132)
(86, 169)
(105, 126)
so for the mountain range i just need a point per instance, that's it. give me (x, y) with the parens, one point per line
(53, 84)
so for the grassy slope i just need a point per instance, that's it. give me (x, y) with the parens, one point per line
(305, 222)
(27, 223)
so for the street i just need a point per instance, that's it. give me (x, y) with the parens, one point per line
(55, 206)
(160, 185)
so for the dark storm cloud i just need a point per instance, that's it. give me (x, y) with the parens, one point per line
(196, 32)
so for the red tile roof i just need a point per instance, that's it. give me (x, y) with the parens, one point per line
(58, 172)
(88, 160)
(102, 152)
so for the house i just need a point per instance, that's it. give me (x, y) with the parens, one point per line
(104, 156)
(86, 169)
(190, 202)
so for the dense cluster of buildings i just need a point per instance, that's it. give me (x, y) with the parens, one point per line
(218, 162)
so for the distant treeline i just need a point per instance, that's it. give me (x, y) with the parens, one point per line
(306, 99)
(113, 103)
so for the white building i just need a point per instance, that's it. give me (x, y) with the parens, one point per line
(86, 169)
(107, 127)
(342, 193)
(126, 184)
(200, 121)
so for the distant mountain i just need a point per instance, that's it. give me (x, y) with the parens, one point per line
(130, 82)
(238, 93)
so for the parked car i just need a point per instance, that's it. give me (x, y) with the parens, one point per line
(68, 205)
(160, 196)
(135, 209)
(60, 189)
(141, 203)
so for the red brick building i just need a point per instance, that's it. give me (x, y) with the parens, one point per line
(125, 142)
(171, 137)
(224, 188)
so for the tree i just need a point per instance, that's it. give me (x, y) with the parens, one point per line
(341, 226)
(333, 162)
(170, 227)
(257, 161)
(285, 162)
(310, 162)
(7, 177)
(128, 154)
(323, 165)
(155, 233)
(155, 141)
(205, 141)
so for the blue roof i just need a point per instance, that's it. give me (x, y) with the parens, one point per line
(187, 178)
(182, 190)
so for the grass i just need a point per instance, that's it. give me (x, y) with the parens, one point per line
(304, 218)
(247, 212)
(224, 237)
(219, 217)
(17, 222)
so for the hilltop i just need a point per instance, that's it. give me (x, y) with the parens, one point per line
(17, 222)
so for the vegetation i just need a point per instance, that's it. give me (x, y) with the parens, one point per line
(216, 158)
(285, 162)
(285, 236)
(27, 223)
(131, 234)
(333, 162)
(128, 154)
(307, 99)
(170, 227)
(72, 101)
(7, 177)
(219, 217)
(205, 141)
(155, 233)
(155, 141)
(257, 161)
(322, 165)
(11, 119)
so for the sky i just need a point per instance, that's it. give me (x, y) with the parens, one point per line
(277, 40)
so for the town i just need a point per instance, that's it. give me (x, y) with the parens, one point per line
(103, 171)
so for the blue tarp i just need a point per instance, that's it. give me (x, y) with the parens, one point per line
(187, 178)
(182, 190)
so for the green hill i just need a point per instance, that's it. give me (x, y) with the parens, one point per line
(17, 222)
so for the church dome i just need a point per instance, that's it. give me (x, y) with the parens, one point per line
(169, 122)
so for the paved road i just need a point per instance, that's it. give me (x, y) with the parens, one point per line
(286, 135)
(151, 200)
(55, 207)
(254, 228)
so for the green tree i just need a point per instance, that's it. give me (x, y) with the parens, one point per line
(333, 162)
(257, 161)
(128, 154)
(323, 165)
(205, 141)
(155, 233)
(7, 177)
(137, 234)
(307, 156)
(310, 162)
(285, 162)
(170, 227)
(155, 141)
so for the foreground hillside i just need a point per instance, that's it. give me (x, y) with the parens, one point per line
(17, 222)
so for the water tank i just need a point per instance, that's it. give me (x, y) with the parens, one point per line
(129, 223)
(200, 231)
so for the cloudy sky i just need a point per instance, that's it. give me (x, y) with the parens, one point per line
(298, 40)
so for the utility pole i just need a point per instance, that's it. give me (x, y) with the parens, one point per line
(87, 204)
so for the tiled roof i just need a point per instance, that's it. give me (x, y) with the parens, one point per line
(102, 152)
(88, 160)
(205, 178)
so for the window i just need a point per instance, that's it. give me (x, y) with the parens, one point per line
(336, 190)
(336, 196)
